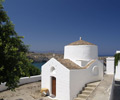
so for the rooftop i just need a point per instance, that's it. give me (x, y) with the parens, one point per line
(81, 42)
(71, 65)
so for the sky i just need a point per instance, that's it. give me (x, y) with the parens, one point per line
(49, 25)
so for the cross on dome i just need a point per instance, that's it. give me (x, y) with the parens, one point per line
(80, 38)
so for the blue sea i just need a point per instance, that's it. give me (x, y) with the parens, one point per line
(38, 65)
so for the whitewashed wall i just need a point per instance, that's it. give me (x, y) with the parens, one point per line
(62, 79)
(117, 74)
(110, 68)
(69, 82)
(81, 52)
(3, 87)
(78, 78)
(23, 80)
(30, 79)
(110, 65)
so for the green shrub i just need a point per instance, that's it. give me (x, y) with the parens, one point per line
(34, 70)
(117, 58)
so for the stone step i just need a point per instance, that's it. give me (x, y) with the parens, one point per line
(79, 98)
(89, 88)
(94, 84)
(83, 96)
(91, 85)
(86, 92)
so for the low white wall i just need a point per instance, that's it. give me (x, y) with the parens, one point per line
(3, 87)
(78, 78)
(23, 80)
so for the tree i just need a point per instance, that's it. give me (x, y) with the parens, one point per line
(13, 60)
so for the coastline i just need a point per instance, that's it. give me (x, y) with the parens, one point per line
(44, 57)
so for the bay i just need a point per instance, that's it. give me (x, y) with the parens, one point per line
(38, 65)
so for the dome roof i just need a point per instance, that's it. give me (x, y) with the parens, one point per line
(81, 42)
(81, 50)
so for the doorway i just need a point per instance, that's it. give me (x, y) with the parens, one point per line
(54, 86)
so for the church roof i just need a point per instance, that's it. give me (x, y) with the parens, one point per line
(81, 42)
(71, 65)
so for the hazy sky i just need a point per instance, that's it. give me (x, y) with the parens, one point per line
(50, 24)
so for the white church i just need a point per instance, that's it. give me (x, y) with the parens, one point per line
(65, 78)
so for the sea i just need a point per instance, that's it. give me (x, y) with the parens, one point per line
(38, 65)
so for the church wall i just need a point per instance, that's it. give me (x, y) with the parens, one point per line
(81, 52)
(62, 79)
(78, 78)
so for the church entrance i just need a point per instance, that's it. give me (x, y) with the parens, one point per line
(54, 86)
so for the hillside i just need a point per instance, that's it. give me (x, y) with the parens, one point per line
(43, 57)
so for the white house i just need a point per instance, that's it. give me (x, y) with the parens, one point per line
(65, 78)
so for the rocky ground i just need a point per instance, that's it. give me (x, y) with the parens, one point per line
(25, 92)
